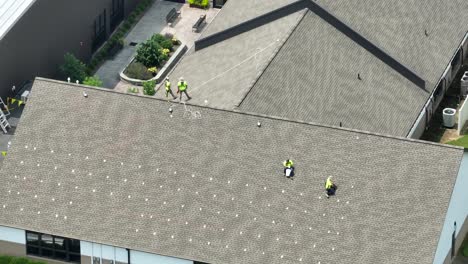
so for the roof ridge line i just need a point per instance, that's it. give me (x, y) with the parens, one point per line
(367, 44)
(106, 90)
(250, 24)
(272, 57)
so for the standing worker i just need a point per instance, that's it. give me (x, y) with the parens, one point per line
(288, 168)
(168, 88)
(330, 187)
(182, 88)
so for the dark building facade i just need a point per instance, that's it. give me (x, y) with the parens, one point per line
(36, 43)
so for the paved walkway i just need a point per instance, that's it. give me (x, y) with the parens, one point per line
(460, 260)
(154, 21)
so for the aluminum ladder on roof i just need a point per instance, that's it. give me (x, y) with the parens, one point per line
(3, 120)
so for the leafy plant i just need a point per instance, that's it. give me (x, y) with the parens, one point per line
(133, 90)
(148, 87)
(149, 53)
(20, 261)
(137, 70)
(166, 43)
(5, 259)
(73, 68)
(153, 70)
(166, 52)
(93, 81)
(200, 3)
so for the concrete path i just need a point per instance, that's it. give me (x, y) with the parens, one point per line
(154, 21)
(460, 260)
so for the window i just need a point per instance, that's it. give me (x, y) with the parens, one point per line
(100, 32)
(54, 247)
(117, 13)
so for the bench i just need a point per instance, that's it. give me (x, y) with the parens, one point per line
(172, 16)
(199, 23)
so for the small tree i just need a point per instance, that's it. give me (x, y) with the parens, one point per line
(149, 53)
(148, 87)
(93, 81)
(73, 68)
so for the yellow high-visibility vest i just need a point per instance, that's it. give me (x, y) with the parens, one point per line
(168, 85)
(328, 184)
(288, 164)
(182, 86)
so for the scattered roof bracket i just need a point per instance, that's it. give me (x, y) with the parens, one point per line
(325, 15)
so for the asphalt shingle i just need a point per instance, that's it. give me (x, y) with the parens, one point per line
(207, 185)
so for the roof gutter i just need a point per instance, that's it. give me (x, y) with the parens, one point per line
(423, 111)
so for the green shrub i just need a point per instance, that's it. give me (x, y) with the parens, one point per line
(133, 90)
(148, 87)
(465, 251)
(200, 3)
(149, 53)
(163, 41)
(73, 68)
(5, 259)
(20, 261)
(137, 70)
(93, 81)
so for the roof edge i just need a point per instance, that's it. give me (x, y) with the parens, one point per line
(13, 23)
(275, 118)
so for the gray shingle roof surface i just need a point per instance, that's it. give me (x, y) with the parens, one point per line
(210, 188)
(398, 27)
(314, 78)
(238, 11)
(223, 73)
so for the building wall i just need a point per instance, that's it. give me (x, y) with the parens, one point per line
(118, 255)
(457, 212)
(36, 44)
(433, 102)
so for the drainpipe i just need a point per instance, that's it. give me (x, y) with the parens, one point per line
(128, 256)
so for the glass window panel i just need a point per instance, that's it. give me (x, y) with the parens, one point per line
(32, 250)
(32, 238)
(47, 253)
(60, 243)
(75, 258)
(74, 245)
(60, 255)
(47, 241)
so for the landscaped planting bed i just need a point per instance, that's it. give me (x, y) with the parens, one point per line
(151, 57)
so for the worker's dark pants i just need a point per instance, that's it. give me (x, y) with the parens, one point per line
(186, 94)
(332, 190)
(170, 92)
(292, 171)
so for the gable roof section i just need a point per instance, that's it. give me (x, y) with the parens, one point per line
(314, 78)
(399, 28)
(10, 12)
(206, 185)
(223, 73)
(246, 10)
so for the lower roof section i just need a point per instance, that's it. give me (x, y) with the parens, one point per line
(320, 75)
(204, 184)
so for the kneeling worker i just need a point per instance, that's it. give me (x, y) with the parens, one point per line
(288, 168)
(330, 187)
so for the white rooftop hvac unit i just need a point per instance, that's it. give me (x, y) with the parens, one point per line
(464, 85)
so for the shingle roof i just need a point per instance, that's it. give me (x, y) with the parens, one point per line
(207, 185)
(314, 78)
(422, 58)
(10, 12)
(223, 73)
(399, 28)
(227, 16)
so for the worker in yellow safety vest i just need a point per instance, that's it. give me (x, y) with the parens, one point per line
(288, 168)
(330, 187)
(182, 88)
(168, 88)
